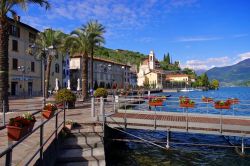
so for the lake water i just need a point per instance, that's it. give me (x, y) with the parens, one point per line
(133, 154)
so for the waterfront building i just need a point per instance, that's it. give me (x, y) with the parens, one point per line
(178, 78)
(107, 73)
(24, 69)
(150, 72)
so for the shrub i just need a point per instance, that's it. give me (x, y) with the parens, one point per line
(101, 92)
(65, 95)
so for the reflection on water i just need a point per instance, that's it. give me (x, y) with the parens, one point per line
(142, 154)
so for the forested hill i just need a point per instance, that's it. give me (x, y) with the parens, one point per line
(122, 56)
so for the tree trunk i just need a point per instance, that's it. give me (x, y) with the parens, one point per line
(91, 70)
(84, 77)
(47, 77)
(4, 65)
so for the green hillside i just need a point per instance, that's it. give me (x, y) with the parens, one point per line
(122, 56)
(238, 74)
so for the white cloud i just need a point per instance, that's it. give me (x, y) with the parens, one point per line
(215, 62)
(244, 56)
(197, 38)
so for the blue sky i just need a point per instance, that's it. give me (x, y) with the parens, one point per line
(198, 33)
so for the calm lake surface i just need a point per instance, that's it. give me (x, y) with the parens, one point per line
(133, 154)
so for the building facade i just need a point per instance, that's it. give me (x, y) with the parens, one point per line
(24, 69)
(150, 73)
(107, 73)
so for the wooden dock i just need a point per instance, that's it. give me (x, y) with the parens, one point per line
(181, 122)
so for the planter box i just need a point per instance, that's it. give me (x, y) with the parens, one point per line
(155, 103)
(16, 133)
(207, 100)
(31, 126)
(48, 114)
(183, 105)
(216, 106)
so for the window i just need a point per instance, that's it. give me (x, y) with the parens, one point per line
(32, 37)
(67, 72)
(14, 64)
(57, 68)
(14, 31)
(14, 45)
(33, 66)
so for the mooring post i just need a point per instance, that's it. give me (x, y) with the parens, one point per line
(242, 146)
(168, 137)
(93, 107)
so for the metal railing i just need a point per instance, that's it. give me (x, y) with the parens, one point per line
(42, 142)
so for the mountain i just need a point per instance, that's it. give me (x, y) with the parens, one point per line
(235, 75)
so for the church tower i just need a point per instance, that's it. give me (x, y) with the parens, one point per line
(151, 60)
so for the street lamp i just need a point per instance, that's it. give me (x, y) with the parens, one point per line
(44, 52)
(123, 71)
(24, 71)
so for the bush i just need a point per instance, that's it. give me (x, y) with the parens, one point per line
(65, 95)
(101, 92)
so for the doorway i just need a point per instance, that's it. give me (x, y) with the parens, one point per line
(13, 88)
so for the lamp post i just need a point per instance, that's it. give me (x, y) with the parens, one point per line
(43, 52)
(24, 71)
(123, 71)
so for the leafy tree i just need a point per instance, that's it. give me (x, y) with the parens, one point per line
(48, 38)
(8, 6)
(214, 84)
(167, 60)
(95, 37)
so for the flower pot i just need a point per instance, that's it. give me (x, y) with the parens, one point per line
(31, 126)
(186, 105)
(48, 114)
(160, 103)
(71, 104)
(217, 106)
(16, 133)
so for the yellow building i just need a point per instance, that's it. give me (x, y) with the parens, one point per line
(24, 69)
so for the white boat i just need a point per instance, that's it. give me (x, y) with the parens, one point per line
(187, 90)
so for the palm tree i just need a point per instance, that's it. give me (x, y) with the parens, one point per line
(7, 6)
(78, 43)
(95, 31)
(45, 40)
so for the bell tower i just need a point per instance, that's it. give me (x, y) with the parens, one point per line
(151, 60)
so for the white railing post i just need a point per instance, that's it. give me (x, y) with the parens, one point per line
(168, 135)
(242, 146)
(116, 101)
(93, 107)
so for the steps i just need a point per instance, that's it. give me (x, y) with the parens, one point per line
(83, 147)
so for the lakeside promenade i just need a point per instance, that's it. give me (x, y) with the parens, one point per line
(81, 114)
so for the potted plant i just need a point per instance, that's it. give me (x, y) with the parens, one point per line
(222, 105)
(66, 95)
(233, 100)
(186, 103)
(207, 99)
(31, 119)
(155, 102)
(49, 110)
(20, 126)
(101, 92)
